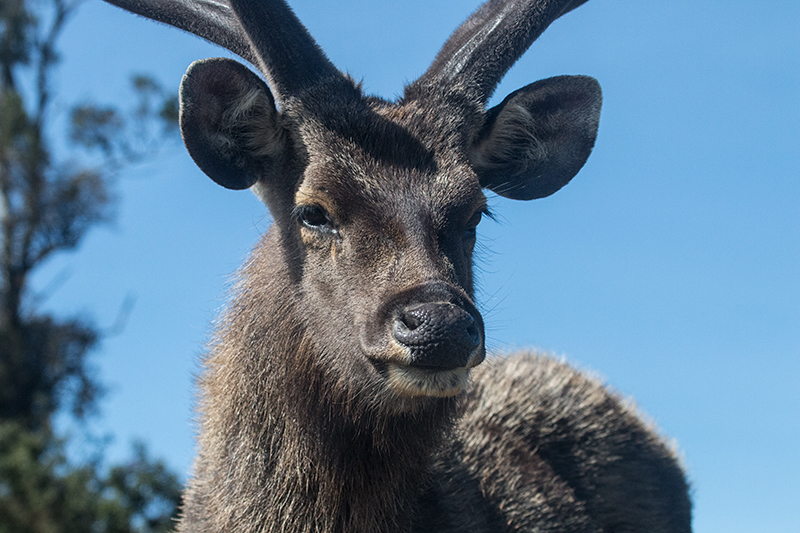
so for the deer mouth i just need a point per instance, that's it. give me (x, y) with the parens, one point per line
(408, 380)
(413, 380)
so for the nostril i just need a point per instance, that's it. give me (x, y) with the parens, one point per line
(412, 319)
(474, 334)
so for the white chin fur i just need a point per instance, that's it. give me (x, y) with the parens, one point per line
(413, 381)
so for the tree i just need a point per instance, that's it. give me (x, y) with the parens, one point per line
(48, 204)
(40, 492)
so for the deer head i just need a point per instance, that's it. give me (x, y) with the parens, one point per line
(375, 203)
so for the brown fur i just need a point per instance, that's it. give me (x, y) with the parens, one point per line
(335, 395)
(539, 446)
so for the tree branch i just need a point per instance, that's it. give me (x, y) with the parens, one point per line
(47, 56)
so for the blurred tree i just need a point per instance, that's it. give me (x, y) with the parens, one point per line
(47, 205)
(40, 492)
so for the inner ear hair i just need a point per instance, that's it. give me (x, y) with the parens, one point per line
(537, 139)
(252, 123)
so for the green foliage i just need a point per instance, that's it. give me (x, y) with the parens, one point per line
(95, 127)
(41, 493)
(15, 21)
(126, 136)
(42, 368)
(48, 205)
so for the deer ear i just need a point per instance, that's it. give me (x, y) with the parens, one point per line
(229, 122)
(538, 138)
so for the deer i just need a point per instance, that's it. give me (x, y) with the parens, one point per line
(346, 387)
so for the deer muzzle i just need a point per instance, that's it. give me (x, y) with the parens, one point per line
(426, 340)
(437, 335)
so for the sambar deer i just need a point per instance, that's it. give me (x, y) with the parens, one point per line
(342, 391)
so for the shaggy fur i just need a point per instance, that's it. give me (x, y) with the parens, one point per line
(336, 395)
(286, 446)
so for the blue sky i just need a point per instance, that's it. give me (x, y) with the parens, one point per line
(670, 266)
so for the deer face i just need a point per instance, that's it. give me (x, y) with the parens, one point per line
(376, 203)
(386, 228)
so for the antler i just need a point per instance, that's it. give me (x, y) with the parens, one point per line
(289, 56)
(212, 20)
(266, 33)
(479, 53)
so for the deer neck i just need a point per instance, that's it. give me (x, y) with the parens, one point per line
(297, 457)
(343, 478)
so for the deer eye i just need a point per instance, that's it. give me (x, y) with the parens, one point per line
(315, 218)
(472, 224)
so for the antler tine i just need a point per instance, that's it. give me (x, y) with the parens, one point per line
(213, 20)
(289, 56)
(266, 33)
(479, 53)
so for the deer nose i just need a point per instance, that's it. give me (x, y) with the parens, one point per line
(439, 335)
